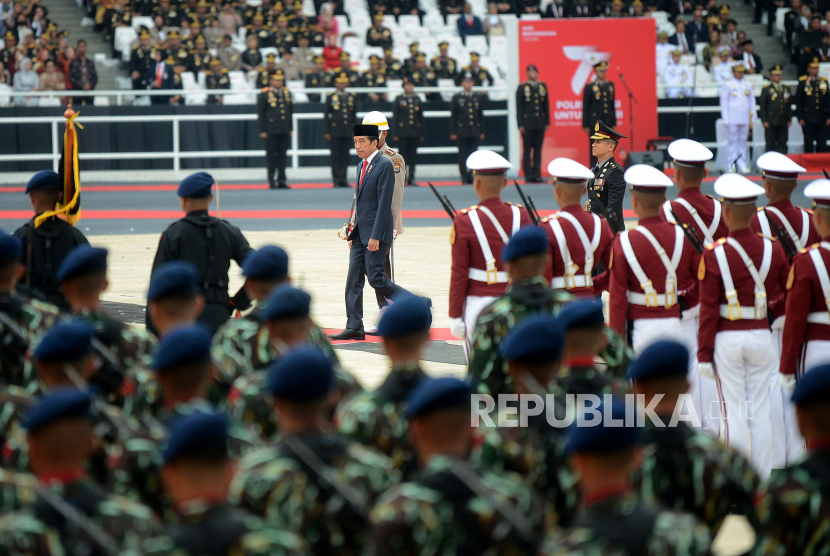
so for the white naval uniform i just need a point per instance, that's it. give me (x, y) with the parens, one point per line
(737, 108)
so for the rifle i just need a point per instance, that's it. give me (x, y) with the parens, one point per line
(529, 206)
(13, 337)
(445, 202)
(690, 233)
(826, 175)
(110, 376)
(783, 238)
(91, 530)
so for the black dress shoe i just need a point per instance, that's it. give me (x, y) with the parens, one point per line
(272, 185)
(349, 334)
(283, 186)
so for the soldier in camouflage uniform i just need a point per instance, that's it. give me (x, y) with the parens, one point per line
(29, 318)
(793, 505)
(452, 507)
(533, 351)
(314, 483)
(83, 278)
(376, 418)
(684, 470)
(196, 467)
(612, 519)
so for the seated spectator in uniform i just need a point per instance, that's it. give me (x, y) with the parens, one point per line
(710, 51)
(824, 50)
(679, 38)
(331, 53)
(637, 8)
(251, 58)
(327, 21)
(663, 51)
(25, 79)
(229, 56)
(737, 50)
(722, 70)
(51, 79)
(493, 24)
(729, 33)
(229, 20)
(809, 41)
(752, 62)
(468, 24)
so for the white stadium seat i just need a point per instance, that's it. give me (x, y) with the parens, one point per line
(407, 22)
(123, 40)
(419, 33)
(239, 81)
(143, 21)
(478, 43)
(447, 85)
(779, 20)
(296, 95)
(530, 17)
(452, 21)
(354, 46)
(433, 21)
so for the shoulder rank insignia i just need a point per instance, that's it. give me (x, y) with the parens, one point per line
(791, 277)
(545, 220)
(464, 211)
(264, 90)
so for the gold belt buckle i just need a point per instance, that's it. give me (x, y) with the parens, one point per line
(651, 298)
(570, 279)
(671, 293)
(732, 304)
(760, 306)
(492, 273)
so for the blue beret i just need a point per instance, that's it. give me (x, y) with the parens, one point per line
(196, 185)
(601, 438)
(173, 279)
(583, 313)
(407, 314)
(66, 341)
(814, 386)
(662, 359)
(182, 345)
(267, 263)
(302, 375)
(45, 180)
(196, 434)
(62, 403)
(81, 261)
(9, 248)
(432, 394)
(535, 340)
(286, 303)
(530, 240)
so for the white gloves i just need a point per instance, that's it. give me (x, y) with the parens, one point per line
(706, 370)
(788, 382)
(458, 329)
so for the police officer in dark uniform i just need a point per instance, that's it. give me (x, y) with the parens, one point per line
(423, 76)
(466, 124)
(219, 242)
(374, 77)
(317, 78)
(45, 245)
(598, 102)
(811, 108)
(607, 190)
(410, 62)
(444, 66)
(346, 68)
(377, 34)
(776, 112)
(392, 67)
(338, 128)
(217, 78)
(533, 114)
(480, 74)
(409, 126)
(263, 77)
(274, 111)
(140, 60)
(252, 58)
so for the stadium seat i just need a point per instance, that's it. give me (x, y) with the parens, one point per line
(140, 21)
(434, 21)
(395, 87)
(342, 24)
(296, 86)
(779, 20)
(264, 52)
(452, 21)
(369, 50)
(123, 40)
(241, 98)
(447, 85)
(824, 69)
(418, 33)
(530, 17)
(478, 43)
(429, 46)
(354, 46)
(498, 95)
(699, 48)
(97, 101)
(390, 22)
(407, 22)
(688, 59)
(660, 17)
(498, 46)
(239, 81)
(46, 101)
(360, 20)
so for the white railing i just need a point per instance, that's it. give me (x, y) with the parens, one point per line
(176, 154)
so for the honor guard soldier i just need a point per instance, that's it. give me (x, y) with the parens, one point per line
(579, 240)
(217, 78)
(806, 337)
(533, 114)
(338, 128)
(776, 111)
(743, 278)
(466, 124)
(377, 34)
(45, 244)
(444, 66)
(788, 525)
(317, 78)
(812, 108)
(598, 103)
(274, 112)
(652, 265)
(263, 78)
(223, 243)
(195, 474)
(737, 108)
(703, 214)
(478, 237)
(140, 60)
(409, 126)
(613, 518)
(683, 469)
(607, 190)
(318, 483)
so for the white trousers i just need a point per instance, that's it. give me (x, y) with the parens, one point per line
(472, 309)
(647, 331)
(703, 390)
(744, 362)
(737, 146)
(785, 436)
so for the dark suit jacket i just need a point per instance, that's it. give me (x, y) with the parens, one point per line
(465, 29)
(697, 35)
(759, 66)
(675, 39)
(167, 81)
(373, 207)
(567, 10)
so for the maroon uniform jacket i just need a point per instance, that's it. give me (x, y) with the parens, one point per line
(795, 216)
(604, 246)
(705, 206)
(804, 296)
(467, 253)
(712, 294)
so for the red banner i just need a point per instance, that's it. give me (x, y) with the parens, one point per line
(565, 51)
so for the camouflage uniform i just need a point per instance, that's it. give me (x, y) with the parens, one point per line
(34, 318)
(222, 529)
(376, 418)
(439, 514)
(22, 534)
(687, 471)
(794, 508)
(275, 483)
(672, 534)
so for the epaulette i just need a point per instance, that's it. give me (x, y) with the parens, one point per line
(390, 152)
(463, 211)
(766, 237)
(135, 47)
(264, 89)
(514, 204)
(759, 209)
(545, 220)
(809, 247)
(482, 68)
(808, 211)
(803, 78)
(824, 79)
(224, 70)
(765, 86)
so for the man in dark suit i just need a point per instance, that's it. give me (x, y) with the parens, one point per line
(468, 24)
(558, 10)
(371, 235)
(160, 76)
(679, 38)
(697, 30)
